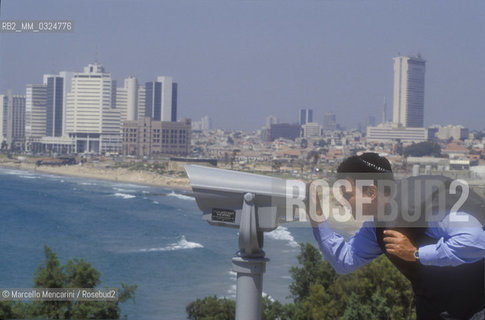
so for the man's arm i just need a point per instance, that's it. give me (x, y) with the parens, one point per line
(346, 257)
(457, 243)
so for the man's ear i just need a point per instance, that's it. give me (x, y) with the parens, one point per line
(372, 192)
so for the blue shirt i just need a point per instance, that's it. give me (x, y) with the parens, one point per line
(455, 244)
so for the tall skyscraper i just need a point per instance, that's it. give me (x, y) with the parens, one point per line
(408, 107)
(141, 102)
(54, 105)
(67, 75)
(35, 113)
(92, 119)
(13, 124)
(306, 116)
(161, 99)
(127, 100)
(329, 121)
(270, 120)
(206, 123)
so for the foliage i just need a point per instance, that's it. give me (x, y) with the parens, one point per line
(426, 148)
(74, 274)
(376, 291)
(276, 165)
(304, 143)
(211, 308)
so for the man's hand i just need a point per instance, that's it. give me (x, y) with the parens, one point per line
(399, 245)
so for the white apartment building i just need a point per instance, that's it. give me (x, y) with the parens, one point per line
(35, 113)
(127, 100)
(92, 119)
(141, 103)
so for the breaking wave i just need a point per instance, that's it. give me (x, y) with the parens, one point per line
(282, 233)
(124, 195)
(182, 244)
(180, 196)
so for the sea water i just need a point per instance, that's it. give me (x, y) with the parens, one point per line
(149, 236)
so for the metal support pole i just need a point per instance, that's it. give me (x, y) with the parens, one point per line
(249, 264)
(249, 286)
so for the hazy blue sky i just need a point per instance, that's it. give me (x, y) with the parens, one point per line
(239, 61)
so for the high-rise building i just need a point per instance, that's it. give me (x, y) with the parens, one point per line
(67, 84)
(270, 120)
(92, 119)
(141, 103)
(35, 113)
(306, 116)
(54, 105)
(329, 121)
(408, 106)
(13, 124)
(161, 99)
(127, 100)
(206, 123)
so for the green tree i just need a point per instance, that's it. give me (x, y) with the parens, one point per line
(304, 143)
(276, 166)
(426, 148)
(74, 274)
(378, 288)
(376, 291)
(211, 308)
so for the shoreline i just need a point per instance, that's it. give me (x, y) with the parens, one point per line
(90, 171)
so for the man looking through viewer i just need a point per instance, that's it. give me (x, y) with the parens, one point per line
(443, 260)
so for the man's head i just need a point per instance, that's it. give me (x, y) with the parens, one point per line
(368, 166)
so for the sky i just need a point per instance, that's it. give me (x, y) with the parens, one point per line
(240, 61)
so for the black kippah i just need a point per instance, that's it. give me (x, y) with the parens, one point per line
(373, 160)
(365, 163)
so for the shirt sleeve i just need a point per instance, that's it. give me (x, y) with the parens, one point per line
(457, 243)
(346, 257)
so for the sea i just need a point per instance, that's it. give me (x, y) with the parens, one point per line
(150, 236)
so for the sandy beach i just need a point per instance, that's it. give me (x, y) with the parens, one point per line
(97, 171)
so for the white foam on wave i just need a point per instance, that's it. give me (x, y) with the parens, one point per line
(28, 176)
(124, 195)
(12, 172)
(282, 233)
(232, 290)
(180, 196)
(88, 183)
(122, 190)
(182, 244)
(269, 297)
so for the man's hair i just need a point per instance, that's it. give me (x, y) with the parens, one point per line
(366, 163)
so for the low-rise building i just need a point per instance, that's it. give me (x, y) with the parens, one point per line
(391, 132)
(147, 137)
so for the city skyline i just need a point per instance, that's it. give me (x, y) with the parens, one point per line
(235, 66)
